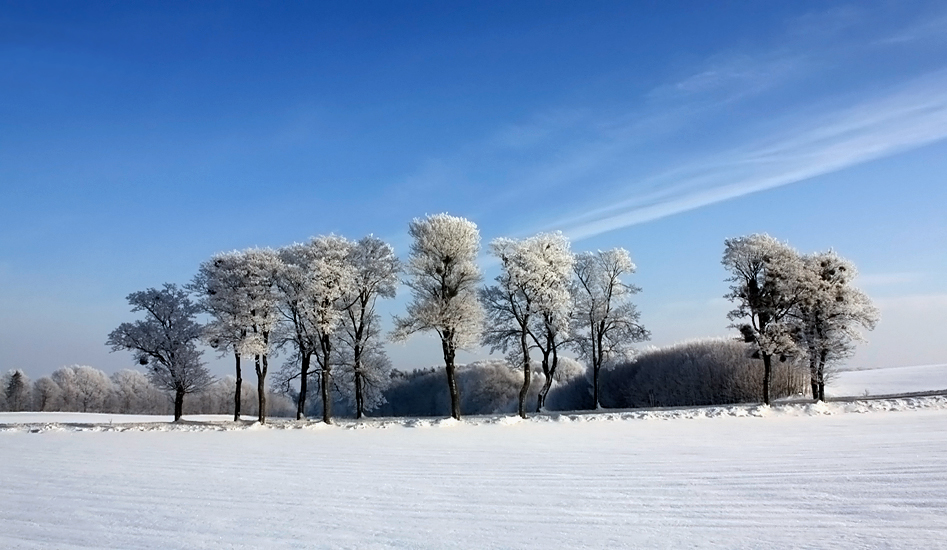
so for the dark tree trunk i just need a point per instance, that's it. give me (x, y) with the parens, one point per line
(547, 383)
(814, 377)
(767, 373)
(447, 345)
(178, 404)
(239, 389)
(326, 400)
(598, 357)
(357, 368)
(303, 385)
(595, 370)
(822, 357)
(326, 348)
(261, 367)
(359, 397)
(524, 391)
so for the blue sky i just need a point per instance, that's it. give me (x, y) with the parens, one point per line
(137, 139)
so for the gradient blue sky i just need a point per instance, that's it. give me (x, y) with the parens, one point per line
(137, 139)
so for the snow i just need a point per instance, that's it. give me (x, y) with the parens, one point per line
(888, 381)
(865, 474)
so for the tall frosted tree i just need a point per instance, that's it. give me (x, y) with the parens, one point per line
(605, 321)
(830, 313)
(443, 277)
(529, 306)
(166, 341)
(260, 294)
(293, 283)
(376, 276)
(330, 280)
(220, 283)
(765, 275)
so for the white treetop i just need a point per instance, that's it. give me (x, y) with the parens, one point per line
(443, 275)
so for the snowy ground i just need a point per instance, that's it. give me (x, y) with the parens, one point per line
(869, 474)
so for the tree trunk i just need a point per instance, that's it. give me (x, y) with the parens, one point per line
(822, 357)
(326, 400)
(549, 371)
(359, 398)
(767, 373)
(178, 404)
(595, 370)
(447, 345)
(239, 388)
(524, 391)
(303, 385)
(814, 377)
(357, 369)
(261, 367)
(547, 383)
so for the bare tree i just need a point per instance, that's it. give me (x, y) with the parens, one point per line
(166, 341)
(443, 276)
(605, 322)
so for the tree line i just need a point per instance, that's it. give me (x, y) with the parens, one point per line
(317, 300)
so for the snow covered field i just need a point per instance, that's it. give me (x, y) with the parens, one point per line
(888, 381)
(837, 475)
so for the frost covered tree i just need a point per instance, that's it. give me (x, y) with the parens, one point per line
(830, 312)
(166, 341)
(443, 276)
(529, 306)
(376, 276)
(17, 390)
(328, 279)
(261, 297)
(292, 281)
(46, 394)
(133, 393)
(220, 284)
(82, 388)
(605, 322)
(765, 275)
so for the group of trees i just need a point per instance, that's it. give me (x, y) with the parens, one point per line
(790, 305)
(80, 388)
(545, 298)
(317, 300)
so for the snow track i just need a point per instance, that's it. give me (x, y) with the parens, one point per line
(812, 476)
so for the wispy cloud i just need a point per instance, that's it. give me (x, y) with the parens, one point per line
(910, 117)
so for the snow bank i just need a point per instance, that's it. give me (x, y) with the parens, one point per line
(80, 422)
